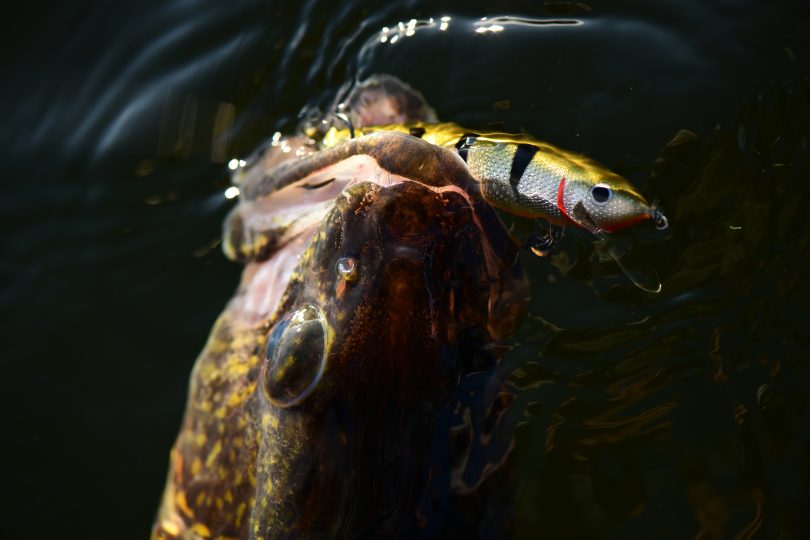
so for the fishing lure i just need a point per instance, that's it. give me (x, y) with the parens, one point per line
(537, 180)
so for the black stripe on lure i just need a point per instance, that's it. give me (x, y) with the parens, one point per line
(539, 180)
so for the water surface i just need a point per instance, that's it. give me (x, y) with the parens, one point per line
(677, 415)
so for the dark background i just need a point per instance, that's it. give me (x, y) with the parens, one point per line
(118, 122)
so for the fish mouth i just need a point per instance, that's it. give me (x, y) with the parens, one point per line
(281, 210)
(281, 204)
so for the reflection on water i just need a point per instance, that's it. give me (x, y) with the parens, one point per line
(696, 409)
(675, 415)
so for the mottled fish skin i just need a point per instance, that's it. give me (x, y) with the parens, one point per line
(400, 280)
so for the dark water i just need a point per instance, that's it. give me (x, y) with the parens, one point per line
(680, 415)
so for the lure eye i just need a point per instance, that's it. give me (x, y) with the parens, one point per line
(601, 193)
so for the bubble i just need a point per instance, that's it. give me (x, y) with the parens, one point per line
(347, 268)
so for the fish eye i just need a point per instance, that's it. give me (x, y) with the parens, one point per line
(601, 193)
(295, 358)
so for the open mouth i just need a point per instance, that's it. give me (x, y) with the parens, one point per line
(281, 210)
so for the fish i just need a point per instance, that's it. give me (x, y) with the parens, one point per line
(332, 398)
(349, 388)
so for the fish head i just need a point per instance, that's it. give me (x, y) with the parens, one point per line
(314, 405)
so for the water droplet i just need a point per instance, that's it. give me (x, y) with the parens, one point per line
(347, 268)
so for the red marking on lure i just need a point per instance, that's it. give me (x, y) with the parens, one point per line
(613, 227)
(561, 201)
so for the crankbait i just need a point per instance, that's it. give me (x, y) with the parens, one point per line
(537, 180)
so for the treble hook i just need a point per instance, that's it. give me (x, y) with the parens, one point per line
(542, 246)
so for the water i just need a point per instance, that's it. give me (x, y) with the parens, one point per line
(669, 416)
